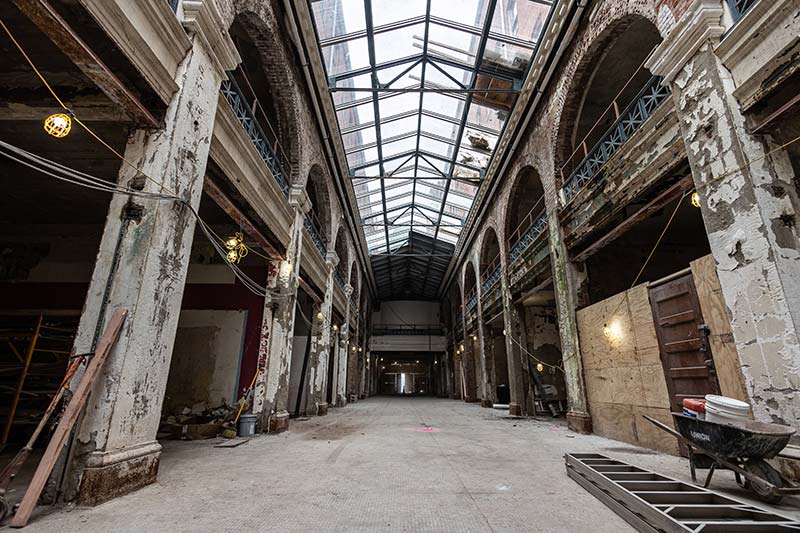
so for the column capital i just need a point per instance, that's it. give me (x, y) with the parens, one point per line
(204, 19)
(702, 22)
(298, 199)
(348, 290)
(331, 259)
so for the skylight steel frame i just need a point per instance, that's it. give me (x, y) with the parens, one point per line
(417, 162)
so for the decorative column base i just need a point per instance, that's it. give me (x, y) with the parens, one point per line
(111, 474)
(515, 409)
(579, 422)
(322, 409)
(486, 403)
(340, 401)
(279, 422)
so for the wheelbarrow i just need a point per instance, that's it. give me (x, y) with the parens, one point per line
(742, 448)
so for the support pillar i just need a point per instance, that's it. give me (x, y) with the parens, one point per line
(141, 266)
(342, 359)
(279, 359)
(260, 386)
(317, 399)
(749, 205)
(517, 360)
(568, 278)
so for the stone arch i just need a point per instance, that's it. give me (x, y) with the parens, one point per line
(470, 280)
(317, 190)
(490, 252)
(354, 278)
(524, 205)
(606, 65)
(341, 249)
(267, 65)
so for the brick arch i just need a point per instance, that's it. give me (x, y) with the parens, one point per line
(259, 22)
(342, 251)
(354, 277)
(605, 28)
(318, 189)
(489, 247)
(525, 198)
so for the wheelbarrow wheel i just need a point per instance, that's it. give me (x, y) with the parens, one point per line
(763, 471)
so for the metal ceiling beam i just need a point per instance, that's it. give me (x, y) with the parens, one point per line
(487, 25)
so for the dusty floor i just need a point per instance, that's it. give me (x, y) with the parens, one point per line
(399, 464)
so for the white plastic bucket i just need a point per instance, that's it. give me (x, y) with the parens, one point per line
(722, 409)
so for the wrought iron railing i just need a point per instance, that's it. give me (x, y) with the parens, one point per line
(339, 278)
(267, 146)
(536, 228)
(472, 300)
(412, 329)
(740, 7)
(627, 123)
(491, 274)
(315, 231)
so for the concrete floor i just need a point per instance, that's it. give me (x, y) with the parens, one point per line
(398, 464)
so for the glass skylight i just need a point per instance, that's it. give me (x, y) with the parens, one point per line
(422, 91)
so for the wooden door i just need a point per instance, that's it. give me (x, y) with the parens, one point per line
(683, 341)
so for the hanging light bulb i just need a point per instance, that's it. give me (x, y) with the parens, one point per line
(237, 249)
(58, 125)
(540, 367)
(462, 347)
(474, 337)
(335, 327)
(360, 349)
(504, 333)
(695, 199)
(320, 316)
(354, 348)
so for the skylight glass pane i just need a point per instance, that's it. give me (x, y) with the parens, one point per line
(338, 17)
(437, 147)
(398, 147)
(520, 19)
(469, 12)
(388, 11)
(505, 56)
(356, 116)
(358, 138)
(401, 76)
(443, 104)
(346, 56)
(439, 127)
(396, 44)
(399, 103)
(442, 76)
(398, 127)
(452, 44)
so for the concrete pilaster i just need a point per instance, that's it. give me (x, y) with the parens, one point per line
(279, 358)
(749, 204)
(517, 359)
(141, 266)
(260, 386)
(321, 350)
(342, 356)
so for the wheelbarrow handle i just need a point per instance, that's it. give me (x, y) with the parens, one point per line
(663, 426)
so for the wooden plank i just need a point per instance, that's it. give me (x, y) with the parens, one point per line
(70, 416)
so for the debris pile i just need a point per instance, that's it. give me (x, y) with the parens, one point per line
(197, 422)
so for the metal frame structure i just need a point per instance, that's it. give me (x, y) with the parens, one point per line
(422, 93)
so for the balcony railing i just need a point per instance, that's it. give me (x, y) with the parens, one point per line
(740, 7)
(314, 228)
(472, 300)
(491, 274)
(412, 329)
(626, 124)
(527, 235)
(339, 278)
(267, 145)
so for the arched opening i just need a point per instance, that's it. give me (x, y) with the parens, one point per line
(525, 213)
(606, 85)
(319, 217)
(471, 353)
(264, 85)
(494, 345)
(340, 246)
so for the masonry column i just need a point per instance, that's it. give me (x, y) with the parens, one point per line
(353, 368)
(279, 358)
(517, 369)
(568, 280)
(344, 336)
(141, 266)
(749, 205)
(318, 380)
(260, 386)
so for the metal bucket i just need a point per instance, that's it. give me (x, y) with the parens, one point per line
(247, 425)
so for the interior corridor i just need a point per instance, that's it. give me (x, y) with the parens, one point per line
(388, 463)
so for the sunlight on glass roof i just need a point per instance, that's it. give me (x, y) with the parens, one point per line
(422, 91)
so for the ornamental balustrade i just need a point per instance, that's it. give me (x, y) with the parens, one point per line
(267, 146)
(491, 275)
(472, 301)
(528, 232)
(626, 124)
(339, 278)
(311, 223)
